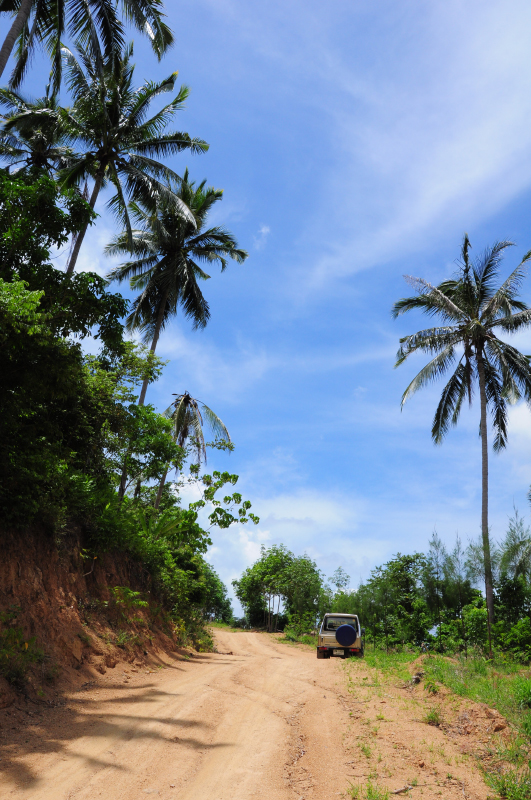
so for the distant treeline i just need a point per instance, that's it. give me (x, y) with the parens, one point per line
(424, 598)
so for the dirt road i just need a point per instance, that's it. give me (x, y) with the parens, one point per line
(259, 719)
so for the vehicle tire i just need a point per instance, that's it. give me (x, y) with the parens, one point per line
(321, 654)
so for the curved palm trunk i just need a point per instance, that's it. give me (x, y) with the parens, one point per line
(81, 235)
(158, 326)
(489, 593)
(142, 398)
(14, 32)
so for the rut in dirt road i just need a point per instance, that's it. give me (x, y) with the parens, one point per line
(259, 719)
(219, 726)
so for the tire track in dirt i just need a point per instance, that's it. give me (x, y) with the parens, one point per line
(259, 719)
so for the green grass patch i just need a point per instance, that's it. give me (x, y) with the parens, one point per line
(224, 626)
(500, 684)
(305, 638)
(390, 665)
(512, 784)
(433, 717)
(368, 791)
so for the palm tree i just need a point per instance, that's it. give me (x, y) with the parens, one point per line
(472, 312)
(85, 21)
(167, 249)
(118, 144)
(30, 146)
(187, 415)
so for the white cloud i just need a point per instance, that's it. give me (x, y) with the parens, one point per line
(261, 238)
(422, 109)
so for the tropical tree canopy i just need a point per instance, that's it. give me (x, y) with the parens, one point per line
(188, 417)
(167, 250)
(41, 22)
(474, 312)
(117, 141)
(32, 145)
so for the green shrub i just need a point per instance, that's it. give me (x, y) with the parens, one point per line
(17, 653)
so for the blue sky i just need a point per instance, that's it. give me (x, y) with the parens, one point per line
(356, 142)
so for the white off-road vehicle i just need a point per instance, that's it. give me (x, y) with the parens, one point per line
(340, 635)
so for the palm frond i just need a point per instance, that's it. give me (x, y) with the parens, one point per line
(431, 340)
(450, 404)
(434, 369)
(438, 301)
(502, 300)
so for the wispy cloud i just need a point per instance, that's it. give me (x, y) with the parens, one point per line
(260, 238)
(422, 108)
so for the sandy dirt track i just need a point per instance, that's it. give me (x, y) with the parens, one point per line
(258, 719)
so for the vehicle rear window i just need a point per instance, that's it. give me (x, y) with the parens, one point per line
(333, 623)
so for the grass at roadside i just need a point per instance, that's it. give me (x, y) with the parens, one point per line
(369, 791)
(500, 684)
(224, 627)
(505, 686)
(394, 665)
(305, 638)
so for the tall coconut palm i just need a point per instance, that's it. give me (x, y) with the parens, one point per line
(43, 22)
(26, 145)
(166, 249)
(473, 314)
(118, 144)
(189, 416)
(108, 124)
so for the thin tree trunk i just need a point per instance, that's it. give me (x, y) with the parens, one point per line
(489, 593)
(143, 391)
(161, 487)
(81, 235)
(158, 326)
(14, 32)
(123, 479)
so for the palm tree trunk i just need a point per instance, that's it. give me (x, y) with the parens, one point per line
(489, 593)
(161, 487)
(141, 399)
(158, 326)
(14, 32)
(81, 235)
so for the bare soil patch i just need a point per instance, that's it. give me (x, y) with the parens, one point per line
(258, 719)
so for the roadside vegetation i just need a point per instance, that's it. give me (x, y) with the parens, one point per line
(85, 459)
(430, 601)
(436, 691)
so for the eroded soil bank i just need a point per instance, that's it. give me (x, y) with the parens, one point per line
(54, 592)
(257, 719)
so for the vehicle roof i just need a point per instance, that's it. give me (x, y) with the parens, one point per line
(333, 614)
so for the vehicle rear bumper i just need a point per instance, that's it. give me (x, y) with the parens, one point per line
(341, 652)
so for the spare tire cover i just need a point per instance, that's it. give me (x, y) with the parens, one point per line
(346, 635)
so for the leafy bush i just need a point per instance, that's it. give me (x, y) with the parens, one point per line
(17, 653)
